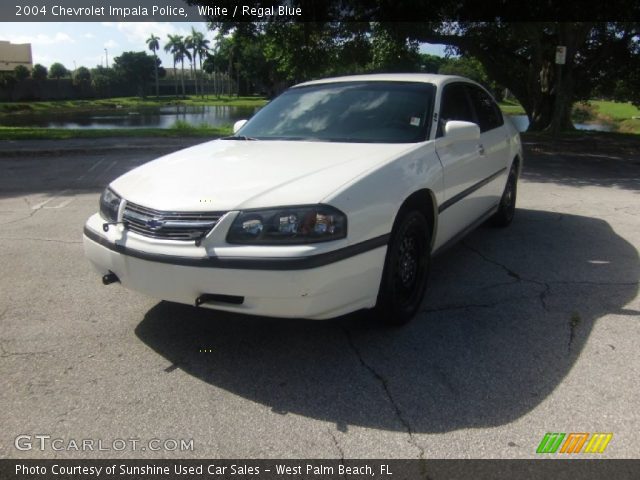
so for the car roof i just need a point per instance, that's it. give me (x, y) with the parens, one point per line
(435, 79)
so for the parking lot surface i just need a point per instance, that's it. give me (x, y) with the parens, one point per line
(525, 330)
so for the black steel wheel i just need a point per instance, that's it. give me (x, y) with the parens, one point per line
(404, 279)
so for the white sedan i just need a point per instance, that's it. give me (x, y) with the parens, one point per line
(332, 198)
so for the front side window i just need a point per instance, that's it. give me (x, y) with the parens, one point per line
(488, 113)
(363, 112)
(454, 105)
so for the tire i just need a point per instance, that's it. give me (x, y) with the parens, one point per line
(507, 208)
(406, 269)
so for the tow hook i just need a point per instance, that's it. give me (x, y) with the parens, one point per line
(110, 278)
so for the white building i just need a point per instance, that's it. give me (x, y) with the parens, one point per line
(12, 55)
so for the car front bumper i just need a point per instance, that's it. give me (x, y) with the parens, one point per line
(314, 287)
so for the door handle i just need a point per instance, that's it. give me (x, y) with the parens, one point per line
(481, 149)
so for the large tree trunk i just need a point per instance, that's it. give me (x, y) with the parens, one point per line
(548, 98)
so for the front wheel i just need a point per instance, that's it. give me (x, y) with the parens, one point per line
(507, 208)
(404, 278)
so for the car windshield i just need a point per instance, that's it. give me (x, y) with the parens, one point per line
(362, 112)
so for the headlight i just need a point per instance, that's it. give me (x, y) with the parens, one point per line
(288, 225)
(109, 204)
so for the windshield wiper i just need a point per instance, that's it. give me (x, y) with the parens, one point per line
(238, 137)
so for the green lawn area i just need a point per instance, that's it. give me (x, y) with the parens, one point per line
(620, 115)
(616, 110)
(131, 103)
(511, 108)
(179, 130)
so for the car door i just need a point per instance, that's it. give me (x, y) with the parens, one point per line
(461, 162)
(494, 144)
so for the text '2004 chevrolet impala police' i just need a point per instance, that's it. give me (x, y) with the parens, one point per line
(331, 199)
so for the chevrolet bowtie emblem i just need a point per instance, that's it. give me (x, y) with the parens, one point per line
(154, 223)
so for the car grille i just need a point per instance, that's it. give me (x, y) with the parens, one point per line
(169, 225)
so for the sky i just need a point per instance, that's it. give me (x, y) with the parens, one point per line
(83, 44)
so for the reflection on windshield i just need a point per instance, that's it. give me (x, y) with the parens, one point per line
(366, 112)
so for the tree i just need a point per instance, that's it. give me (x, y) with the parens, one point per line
(393, 52)
(201, 49)
(198, 46)
(470, 67)
(135, 68)
(104, 80)
(520, 56)
(178, 50)
(57, 71)
(82, 75)
(430, 63)
(154, 46)
(21, 73)
(517, 54)
(191, 43)
(39, 73)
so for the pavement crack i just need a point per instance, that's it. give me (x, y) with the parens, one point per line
(543, 293)
(510, 272)
(337, 445)
(22, 219)
(519, 278)
(588, 282)
(387, 391)
(447, 308)
(5, 354)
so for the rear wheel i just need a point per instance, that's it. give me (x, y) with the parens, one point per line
(507, 208)
(404, 279)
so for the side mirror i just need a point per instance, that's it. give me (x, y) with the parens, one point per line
(238, 125)
(458, 130)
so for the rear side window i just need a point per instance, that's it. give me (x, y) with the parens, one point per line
(454, 105)
(487, 111)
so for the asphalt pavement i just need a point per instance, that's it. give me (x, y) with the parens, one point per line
(525, 330)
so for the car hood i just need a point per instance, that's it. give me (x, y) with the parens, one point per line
(229, 174)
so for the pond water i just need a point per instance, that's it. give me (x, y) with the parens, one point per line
(521, 122)
(162, 117)
(166, 117)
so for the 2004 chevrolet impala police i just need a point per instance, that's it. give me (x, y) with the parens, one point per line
(331, 199)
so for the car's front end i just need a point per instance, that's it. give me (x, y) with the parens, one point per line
(161, 232)
(308, 281)
(290, 225)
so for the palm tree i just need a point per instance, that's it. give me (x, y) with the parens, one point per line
(177, 47)
(190, 42)
(202, 49)
(154, 45)
(199, 46)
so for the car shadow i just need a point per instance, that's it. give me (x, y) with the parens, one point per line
(506, 317)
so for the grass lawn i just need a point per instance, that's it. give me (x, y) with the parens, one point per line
(131, 103)
(620, 115)
(180, 130)
(616, 110)
(511, 108)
